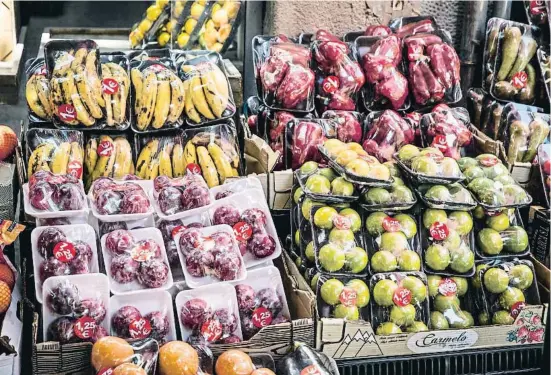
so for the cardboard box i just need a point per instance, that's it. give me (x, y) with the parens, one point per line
(539, 223)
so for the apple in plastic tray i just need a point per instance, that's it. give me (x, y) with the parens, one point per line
(112, 198)
(49, 192)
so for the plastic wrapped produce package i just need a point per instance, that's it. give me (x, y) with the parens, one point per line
(323, 184)
(179, 197)
(523, 132)
(342, 297)
(448, 297)
(302, 139)
(116, 90)
(386, 132)
(398, 197)
(37, 91)
(115, 354)
(454, 196)
(348, 124)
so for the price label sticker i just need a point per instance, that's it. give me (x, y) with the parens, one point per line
(109, 86)
(310, 370)
(193, 168)
(105, 148)
(74, 168)
(342, 222)
(211, 330)
(439, 231)
(67, 112)
(40, 71)
(447, 287)
(519, 79)
(64, 251)
(262, 317)
(85, 327)
(391, 224)
(488, 161)
(105, 371)
(330, 84)
(177, 230)
(402, 296)
(139, 328)
(142, 252)
(348, 296)
(243, 231)
(517, 308)
(440, 142)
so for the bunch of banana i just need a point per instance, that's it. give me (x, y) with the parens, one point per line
(107, 157)
(37, 92)
(207, 92)
(159, 96)
(115, 100)
(218, 27)
(139, 30)
(161, 157)
(75, 82)
(195, 12)
(57, 158)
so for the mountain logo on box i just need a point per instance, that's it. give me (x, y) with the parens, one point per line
(442, 341)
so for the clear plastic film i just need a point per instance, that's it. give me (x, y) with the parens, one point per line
(405, 26)
(178, 197)
(392, 241)
(544, 162)
(545, 67)
(453, 197)
(221, 25)
(536, 12)
(397, 197)
(37, 91)
(113, 355)
(302, 139)
(152, 20)
(400, 302)
(348, 124)
(490, 51)
(449, 302)
(190, 22)
(112, 200)
(342, 297)
(523, 133)
(386, 132)
(322, 183)
(115, 80)
(501, 234)
(428, 165)
(277, 125)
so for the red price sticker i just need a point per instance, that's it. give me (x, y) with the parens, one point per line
(64, 251)
(537, 7)
(439, 231)
(440, 142)
(262, 317)
(139, 328)
(519, 79)
(211, 330)
(310, 370)
(391, 224)
(41, 71)
(488, 161)
(242, 231)
(67, 112)
(415, 51)
(342, 222)
(348, 296)
(105, 371)
(402, 296)
(447, 287)
(74, 168)
(85, 327)
(105, 148)
(517, 308)
(177, 230)
(109, 86)
(156, 67)
(193, 168)
(330, 84)
(142, 252)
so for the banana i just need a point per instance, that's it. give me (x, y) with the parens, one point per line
(80, 55)
(221, 162)
(178, 161)
(147, 103)
(104, 166)
(215, 87)
(43, 92)
(123, 159)
(176, 99)
(91, 155)
(39, 158)
(235, 172)
(60, 158)
(207, 167)
(72, 96)
(198, 97)
(162, 102)
(92, 77)
(229, 149)
(105, 72)
(132, 169)
(165, 163)
(119, 106)
(76, 154)
(190, 154)
(146, 156)
(86, 93)
(191, 112)
(62, 63)
(31, 94)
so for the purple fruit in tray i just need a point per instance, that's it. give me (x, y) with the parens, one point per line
(83, 250)
(108, 202)
(153, 273)
(261, 244)
(68, 197)
(62, 330)
(79, 266)
(195, 225)
(151, 247)
(100, 332)
(53, 267)
(134, 203)
(172, 253)
(119, 242)
(166, 227)
(161, 182)
(56, 221)
(47, 240)
(256, 218)
(223, 194)
(227, 319)
(269, 299)
(190, 239)
(124, 269)
(159, 324)
(194, 263)
(102, 183)
(195, 196)
(122, 319)
(279, 319)
(64, 298)
(170, 200)
(247, 327)
(226, 215)
(227, 266)
(40, 196)
(92, 307)
(107, 227)
(222, 240)
(194, 313)
(230, 340)
(242, 247)
(245, 297)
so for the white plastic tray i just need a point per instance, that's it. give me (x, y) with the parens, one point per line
(177, 215)
(39, 214)
(238, 185)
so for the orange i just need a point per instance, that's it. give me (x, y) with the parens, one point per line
(262, 371)
(111, 352)
(129, 369)
(234, 362)
(6, 275)
(178, 358)
(5, 297)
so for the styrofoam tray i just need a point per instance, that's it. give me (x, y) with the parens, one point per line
(69, 220)
(253, 198)
(217, 296)
(177, 215)
(195, 282)
(92, 285)
(146, 301)
(39, 214)
(238, 185)
(146, 185)
(148, 222)
(139, 234)
(83, 232)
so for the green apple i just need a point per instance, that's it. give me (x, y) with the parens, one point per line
(431, 216)
(342, 237)
(433, 282)
(438, 193)
(461, 319)
(297, 237)
(416, 287)
(356, 260)
(463, 222)
(515, 239)
(307, 205)
(490, 241)
(409, 260)
(354, 217)
(478, 212)
(328, 173)
(438, 321)
(309, 252)
(394, 241)
(462, 259)
(346, 312)
(402, 194)
(417, 326)
(483, 319)
(309, 167)
(339, 186)
(374, 223)
(383, 292)
(323, 217)
(466, 162)
(521, 276)
(318, 184)
(332, 257)
(510, 296)
(473, 172)
(330, 291)
(453, 241)
(502, 317)
(388, 328)
(314, 282)
(477, 283)
(425, 165)
(362, 292)
(496, 280)
(298, 194)
(437, 257)
(462, 285)
(499, 222)
(383, 261)
(397, 181)
(408, 152)
(431, 151)
(394, 171)
(444, 303)
(407, 225)
(402, 315)
(377, 196)
(449, 168)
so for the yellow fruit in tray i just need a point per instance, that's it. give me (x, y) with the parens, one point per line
(202, 2)
(135, 37)
(209, 25)
(220, 17)
(190, 25)
(162, 3)
(170, 25)
(232, 7)
(379, 172)
(217, 47)
(215, 8)
(210, 37)
(153, 12)
(182, 39)
(334, 146)
(355, 147)
(345, 157)
(178, 8)
(163, 39)
(196, 10)
(144, 26)
(359, 167)
(224, 33)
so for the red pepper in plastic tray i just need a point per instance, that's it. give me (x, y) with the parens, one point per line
(303, 136)
(405, 26)
(386, 132)
(276, 133)
(348, 124)
(400, 302)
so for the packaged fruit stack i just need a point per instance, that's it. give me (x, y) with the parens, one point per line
(397, 197)
(113, 200)
(523, 132)
(190, 21)
(342, 297)
(220, 26)
(167, 33)
(500, 234)
(153, 19)
(449, 301)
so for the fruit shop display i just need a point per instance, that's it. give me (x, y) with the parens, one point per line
(178, 196)
(545, 67)
(448, 302)
(143, 314)
(136, 260)
(514, 77)
(208, 96)
(61, 251)
(392, 241)
(220, 25)
(121, 357)
(190, 21)
(115, 89)
(523, 132)
(57, 151)
(107, 156)
(501, 234)
(453, 196)
(544, 161)
(323, 184)
(303, 359)
(536, 12)
(447, 130)
(37, 91)
(114, 200)
(491, 184)
(348, 124)
(303, 138)
(338, 245)
(209, 314)
(261, 300)
(353, 163)
(75, 308)
(339, 77)
(400, 302)
(428, 165)
(342, 297)
(386, 132)
(396, 198)
(448, 242)
(48, 195)
(381, 58)
(152, 20)
(507, 288)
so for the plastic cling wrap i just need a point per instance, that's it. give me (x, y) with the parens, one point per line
(37, 91)
(179, 197)
(115, 355)
(523, 132)
(501, 235)
(449, 302)
(385, 133)
(398, 197)
(323, 184)
(302, 139)
(342, 297)
(454, 197)
(116, 90)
